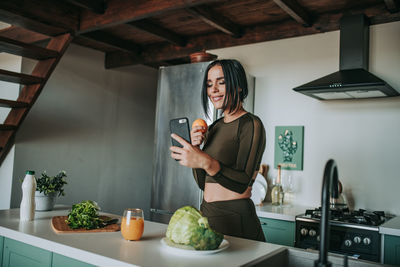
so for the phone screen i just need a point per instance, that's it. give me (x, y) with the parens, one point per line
(180, 126)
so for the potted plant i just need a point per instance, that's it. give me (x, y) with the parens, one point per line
(47, 188)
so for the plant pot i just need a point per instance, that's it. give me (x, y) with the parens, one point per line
(45, 202)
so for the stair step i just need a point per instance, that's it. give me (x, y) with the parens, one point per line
(13, 104)
(15, 77)
(25, 50)
(7, 127)
(34, 85)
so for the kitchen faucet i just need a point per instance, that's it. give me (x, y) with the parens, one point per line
(329, 189)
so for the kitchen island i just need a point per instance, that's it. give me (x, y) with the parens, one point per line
(110, 249)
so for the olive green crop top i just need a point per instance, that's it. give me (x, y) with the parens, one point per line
(238, 146)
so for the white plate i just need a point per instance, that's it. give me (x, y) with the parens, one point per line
(262, 180)
(258, 193)
(188, 250)
(256, 196)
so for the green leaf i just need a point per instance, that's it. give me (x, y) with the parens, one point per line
(49, 184)
(85, 215)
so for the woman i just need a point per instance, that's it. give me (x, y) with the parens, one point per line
(233, 146)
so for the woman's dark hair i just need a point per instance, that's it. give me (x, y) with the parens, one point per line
(235, 79)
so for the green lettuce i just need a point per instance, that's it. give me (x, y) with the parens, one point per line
(85, 215)
(188, 227)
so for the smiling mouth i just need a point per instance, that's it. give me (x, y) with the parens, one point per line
(217, 98)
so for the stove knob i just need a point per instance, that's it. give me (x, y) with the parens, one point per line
(312, 232)
(357, 240)
(347, 242)
(367, 241)
(303, 231)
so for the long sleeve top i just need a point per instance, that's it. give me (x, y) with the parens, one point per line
(238, 146)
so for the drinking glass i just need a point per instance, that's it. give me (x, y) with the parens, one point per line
(288, 186)
(132, 224)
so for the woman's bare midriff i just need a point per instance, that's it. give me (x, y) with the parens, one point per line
(216, 192)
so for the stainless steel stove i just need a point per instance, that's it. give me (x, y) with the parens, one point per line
(353, 233)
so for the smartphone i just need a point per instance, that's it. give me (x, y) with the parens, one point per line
(180, 126)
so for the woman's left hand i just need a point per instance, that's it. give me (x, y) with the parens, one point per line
(188, 155)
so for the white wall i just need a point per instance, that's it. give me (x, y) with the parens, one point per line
(98, 126)
(6, 174)
(8, 91)
(362, 136)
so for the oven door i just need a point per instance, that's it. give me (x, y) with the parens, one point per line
(360, 242)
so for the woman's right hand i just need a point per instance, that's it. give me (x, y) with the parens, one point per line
(197, 136)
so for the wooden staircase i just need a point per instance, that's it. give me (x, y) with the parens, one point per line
(47, 60)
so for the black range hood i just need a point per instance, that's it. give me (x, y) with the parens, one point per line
(353, 80)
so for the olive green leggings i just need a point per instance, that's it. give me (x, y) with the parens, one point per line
(234, 217)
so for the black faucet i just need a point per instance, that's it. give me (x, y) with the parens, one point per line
(329, 183)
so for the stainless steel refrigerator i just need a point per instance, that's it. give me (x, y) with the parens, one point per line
(178, 95)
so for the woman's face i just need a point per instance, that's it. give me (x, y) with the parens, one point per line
(216, 86)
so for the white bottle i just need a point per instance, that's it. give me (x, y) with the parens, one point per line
(27, 207)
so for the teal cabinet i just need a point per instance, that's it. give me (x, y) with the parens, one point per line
(1, 250)
(392, 250)
(278, 231)
(18, 254)
(62, 261)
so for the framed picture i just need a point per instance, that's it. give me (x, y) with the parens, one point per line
(289, 147)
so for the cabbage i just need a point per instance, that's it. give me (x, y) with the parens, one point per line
(188, 227)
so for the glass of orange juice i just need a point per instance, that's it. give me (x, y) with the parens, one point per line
(132, 224)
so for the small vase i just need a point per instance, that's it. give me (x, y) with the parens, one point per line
(45, 202)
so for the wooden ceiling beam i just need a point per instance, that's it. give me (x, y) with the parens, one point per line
(156, 65)
(177, 61)
(113, 41)
(260, 33)
(30, 24)
(22, 35)
(154, 29)
(296, 11)
(120, 59)
(96, 6)
(216, 20)
(42, 16)
(122, 11)
(392, 5)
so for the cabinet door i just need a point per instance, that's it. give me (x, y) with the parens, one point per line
(17, 254)
(278, 231)
(392, 250)
(62, 261)
(1, 249)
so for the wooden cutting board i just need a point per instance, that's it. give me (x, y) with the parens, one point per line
(60, 226)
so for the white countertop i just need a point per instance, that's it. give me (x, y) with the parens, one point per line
(391, 227)
(284, 212)
(110, 249)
